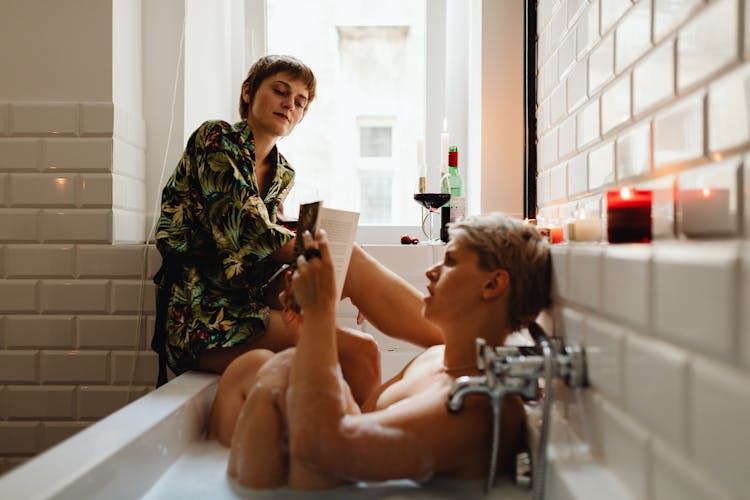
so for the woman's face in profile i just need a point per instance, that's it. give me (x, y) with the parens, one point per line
(278, 106)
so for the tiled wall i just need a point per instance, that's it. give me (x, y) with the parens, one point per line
(653, 94)
(72, 348)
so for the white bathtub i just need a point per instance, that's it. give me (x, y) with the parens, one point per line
(154, 448)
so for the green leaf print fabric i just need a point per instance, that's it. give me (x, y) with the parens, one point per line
(216, 225)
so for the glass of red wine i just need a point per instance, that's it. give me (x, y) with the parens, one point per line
(431, 201)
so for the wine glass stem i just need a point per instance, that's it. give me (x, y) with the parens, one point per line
(432, 233)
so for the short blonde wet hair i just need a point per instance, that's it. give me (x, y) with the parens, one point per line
(502, 242)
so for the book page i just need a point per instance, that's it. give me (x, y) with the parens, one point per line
(341, 228)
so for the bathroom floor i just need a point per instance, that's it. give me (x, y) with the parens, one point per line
(201, 473)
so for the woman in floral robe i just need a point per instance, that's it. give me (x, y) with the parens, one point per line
(222, 243)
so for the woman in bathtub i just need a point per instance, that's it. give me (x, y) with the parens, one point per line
(222, 243)
(299, 425)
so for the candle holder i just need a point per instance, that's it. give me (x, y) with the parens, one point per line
(553, 233)
(629, 216)
(707, 212)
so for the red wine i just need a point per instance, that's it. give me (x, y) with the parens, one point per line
(432, 201)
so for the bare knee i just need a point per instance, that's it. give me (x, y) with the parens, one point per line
(359, 356)
(231, 393)
(258, 457)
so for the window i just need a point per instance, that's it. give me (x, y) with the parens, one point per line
(375, 197)
(375, 141)
(358, 143)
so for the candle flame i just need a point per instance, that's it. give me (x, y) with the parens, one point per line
(706, 192)
(626, 193)
(445, 124)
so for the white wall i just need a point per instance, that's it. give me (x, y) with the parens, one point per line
(71, 162)
(652, 94)
(38, 37)
(163, 101)
(502, 107)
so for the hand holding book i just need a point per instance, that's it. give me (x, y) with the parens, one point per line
(340, 225)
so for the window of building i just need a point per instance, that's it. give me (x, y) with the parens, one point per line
(375, 191)
(375, 141)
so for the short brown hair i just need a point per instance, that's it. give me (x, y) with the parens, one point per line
(270, 65)
(502, 242)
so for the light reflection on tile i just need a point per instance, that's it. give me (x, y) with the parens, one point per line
(634, 152)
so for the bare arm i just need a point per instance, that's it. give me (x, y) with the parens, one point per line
(412, 439)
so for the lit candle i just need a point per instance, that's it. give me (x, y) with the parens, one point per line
(444, 147)
(629, 216)
(586, 230)
(421, 166)
(706, 211)
(554, 234)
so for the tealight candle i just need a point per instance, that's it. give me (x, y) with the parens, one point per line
(553, 233)
(586, 230)
(707, 211)
(444, 138)
(629, 216)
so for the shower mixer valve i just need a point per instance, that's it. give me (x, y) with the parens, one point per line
(517, 370)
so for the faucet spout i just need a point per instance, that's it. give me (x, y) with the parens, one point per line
(464, 386)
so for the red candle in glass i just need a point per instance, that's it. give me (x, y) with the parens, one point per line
(555, 234)
(629, 216)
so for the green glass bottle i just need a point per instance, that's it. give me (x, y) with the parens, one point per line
(452, 182)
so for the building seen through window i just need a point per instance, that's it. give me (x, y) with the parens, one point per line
(357, 147)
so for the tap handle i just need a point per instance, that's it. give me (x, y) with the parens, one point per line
(481, 346)
(537, 333)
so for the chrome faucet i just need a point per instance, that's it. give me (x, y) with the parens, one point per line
(517, 370)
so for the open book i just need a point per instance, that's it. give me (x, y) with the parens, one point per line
(340, 226)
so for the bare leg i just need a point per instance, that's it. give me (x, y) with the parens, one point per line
(360, 363)
(358, 354)
(234, 386)
(388, 301)
(258, 457)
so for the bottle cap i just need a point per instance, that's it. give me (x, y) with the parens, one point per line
(453, 156)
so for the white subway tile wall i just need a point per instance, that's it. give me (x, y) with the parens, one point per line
(588, 124)
(729, 111)
(602, 166)
(653, 78)
(626, 446)
(601, 64)
(69, 324)
(678, 133)
(616, 104)
(708, 43)
(634, 152)
(612, 11)
(666, 325)
(633, 35)
(577, 175)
